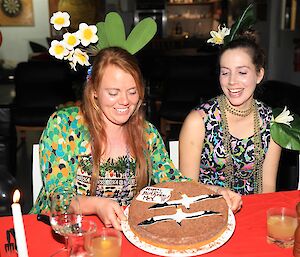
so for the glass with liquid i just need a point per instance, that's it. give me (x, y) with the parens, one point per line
(281, 226)
(106, 242)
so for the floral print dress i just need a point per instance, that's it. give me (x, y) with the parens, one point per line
(65, 159)
(213, 157)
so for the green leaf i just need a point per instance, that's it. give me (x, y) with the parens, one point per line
(102, 39)
(245, 21)
(114, 29)
(142, 33)
(284, 135)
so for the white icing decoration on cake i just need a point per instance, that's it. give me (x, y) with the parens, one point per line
(186, 201)
(179, 216)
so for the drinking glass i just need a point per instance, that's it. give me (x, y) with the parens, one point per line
(78, 237)
(281, 226)
(106, 242)
(64, 213)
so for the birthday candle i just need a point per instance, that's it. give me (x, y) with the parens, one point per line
(19, 226)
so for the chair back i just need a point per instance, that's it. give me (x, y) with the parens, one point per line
(40, 86)
(36, 173)
(174, 152)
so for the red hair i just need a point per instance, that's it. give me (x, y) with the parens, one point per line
(134, 127)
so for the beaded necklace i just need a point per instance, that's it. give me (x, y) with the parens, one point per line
(237, 112)
(229, 172)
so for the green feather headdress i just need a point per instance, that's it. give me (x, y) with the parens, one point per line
(110, 33)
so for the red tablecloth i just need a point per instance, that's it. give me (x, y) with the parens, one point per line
(248, 239)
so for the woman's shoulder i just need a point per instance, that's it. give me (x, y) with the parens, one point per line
(264, 109)
(207, 105)
(207, 110)
(68, 116)
(69, 113)
(150, 128)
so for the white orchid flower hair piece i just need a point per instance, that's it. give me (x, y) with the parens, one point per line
(217, 37)
(109, 33)
(224, 35)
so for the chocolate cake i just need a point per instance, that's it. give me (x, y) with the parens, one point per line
(188, 216)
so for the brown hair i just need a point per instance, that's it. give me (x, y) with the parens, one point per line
(134, 126)
(248, 40)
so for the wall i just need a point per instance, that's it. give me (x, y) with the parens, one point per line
(281, 47)
(15, 47)
(279, 44)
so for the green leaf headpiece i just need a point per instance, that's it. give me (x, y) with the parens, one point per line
(111, 32)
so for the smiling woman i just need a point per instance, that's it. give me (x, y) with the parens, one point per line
(105, 148)
(227, 140)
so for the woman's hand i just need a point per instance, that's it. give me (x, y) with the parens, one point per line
(110, 213)
(233, 200)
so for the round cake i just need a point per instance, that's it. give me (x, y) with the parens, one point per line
(188, 215)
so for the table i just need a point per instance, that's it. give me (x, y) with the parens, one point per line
(248, 239)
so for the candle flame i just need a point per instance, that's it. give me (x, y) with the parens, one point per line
(16, 196)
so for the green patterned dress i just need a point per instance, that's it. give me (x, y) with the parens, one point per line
(65, 159)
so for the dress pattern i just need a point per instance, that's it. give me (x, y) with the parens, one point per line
(213, 157)
(65, 159)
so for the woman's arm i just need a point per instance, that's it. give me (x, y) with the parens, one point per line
(59, 145)
(190, 145)
(270, 167)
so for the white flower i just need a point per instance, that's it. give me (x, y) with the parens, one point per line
(73, 65)
(60, 19)
(69, 56)
(81, 57)
(72, 61)
(284, 117)
(71, 40)
(87, 34)
(217, 37)
(58, 49)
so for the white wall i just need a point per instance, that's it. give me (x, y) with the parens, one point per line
(281, 48)
(15, 47)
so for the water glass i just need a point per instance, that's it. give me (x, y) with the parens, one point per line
(106, 242)
(81, 232)
(281, 226)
